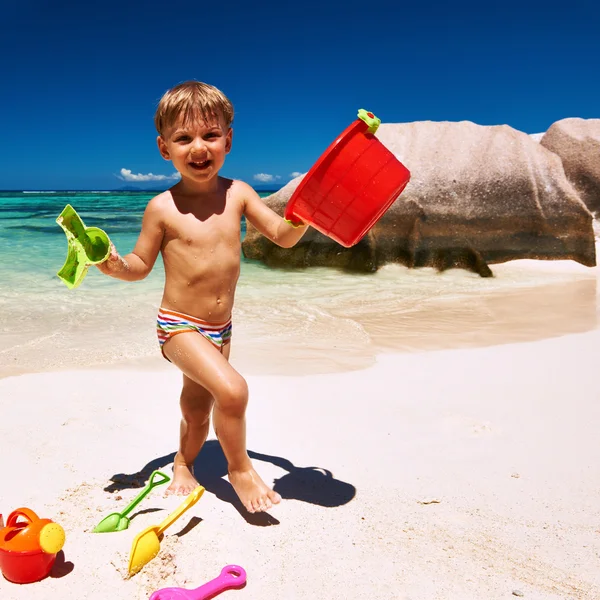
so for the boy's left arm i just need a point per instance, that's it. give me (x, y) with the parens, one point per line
(268, 222)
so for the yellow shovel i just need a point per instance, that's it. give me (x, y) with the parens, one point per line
(146, 544)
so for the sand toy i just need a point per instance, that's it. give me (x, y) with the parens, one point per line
(28, 546)
(119, 521)
(351, 185)
(86, 246)
(146, 544)
(231, 577)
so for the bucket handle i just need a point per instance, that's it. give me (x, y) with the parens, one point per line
(370, 119)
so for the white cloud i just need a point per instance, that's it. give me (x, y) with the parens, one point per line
(127, 175)
(295, 174)
(266, 178)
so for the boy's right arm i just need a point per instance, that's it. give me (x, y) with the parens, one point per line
(139, 263)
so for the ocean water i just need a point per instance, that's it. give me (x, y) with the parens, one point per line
(285, 321)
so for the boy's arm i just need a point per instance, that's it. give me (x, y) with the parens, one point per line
(268, 222)
(139, 263)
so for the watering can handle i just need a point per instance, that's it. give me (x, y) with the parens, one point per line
(157, 478)
(21, 512)
(188, 503)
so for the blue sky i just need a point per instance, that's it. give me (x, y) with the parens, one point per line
(80, 81)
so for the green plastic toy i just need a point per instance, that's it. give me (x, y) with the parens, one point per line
(87, 246)
(120, 521)
(370, 119)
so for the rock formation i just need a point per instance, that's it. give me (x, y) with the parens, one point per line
(577, 143)
(478, 195)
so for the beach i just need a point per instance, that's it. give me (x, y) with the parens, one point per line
(433, 435)
(446, 474)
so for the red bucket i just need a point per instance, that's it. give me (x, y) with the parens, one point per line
(351, 185)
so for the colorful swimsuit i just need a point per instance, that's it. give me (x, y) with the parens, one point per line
(170, 323)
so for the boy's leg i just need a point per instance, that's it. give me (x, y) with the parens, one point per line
(201, 362)
(196, 403)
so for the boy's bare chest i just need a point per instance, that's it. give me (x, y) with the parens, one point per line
(190, 230)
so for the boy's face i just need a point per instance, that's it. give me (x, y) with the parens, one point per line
(197, 150)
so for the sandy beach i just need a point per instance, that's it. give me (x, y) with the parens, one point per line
(452, 474)
(416, 310)
(433, 435)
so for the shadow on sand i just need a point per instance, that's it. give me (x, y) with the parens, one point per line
(307, 484)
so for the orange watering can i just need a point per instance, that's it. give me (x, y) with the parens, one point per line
(28, 546)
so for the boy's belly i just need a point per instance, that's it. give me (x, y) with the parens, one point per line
(209, 298)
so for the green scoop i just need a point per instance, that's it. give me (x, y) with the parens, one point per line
(86, 246)
(118, 521)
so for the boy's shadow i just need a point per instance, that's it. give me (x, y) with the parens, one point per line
(308, 484)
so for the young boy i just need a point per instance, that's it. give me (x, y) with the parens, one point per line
(196, 227)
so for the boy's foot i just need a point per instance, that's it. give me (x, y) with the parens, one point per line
(183, 482)
(252, 490)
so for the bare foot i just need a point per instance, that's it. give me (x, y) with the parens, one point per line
(184, 481)
(252, 490)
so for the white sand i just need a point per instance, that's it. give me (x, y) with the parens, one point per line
(504, 437)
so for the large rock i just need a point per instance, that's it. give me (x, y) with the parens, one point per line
(577, 142)
(478, 195)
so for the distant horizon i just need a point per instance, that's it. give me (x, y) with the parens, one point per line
(260, 187)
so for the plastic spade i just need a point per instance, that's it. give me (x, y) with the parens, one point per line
(86, 246)
(146, 544)
(119, 521)
(231, 577)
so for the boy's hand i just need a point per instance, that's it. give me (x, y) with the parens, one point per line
(113, 263)
(296, 223)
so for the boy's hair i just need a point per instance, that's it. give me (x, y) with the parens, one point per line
(195, 101)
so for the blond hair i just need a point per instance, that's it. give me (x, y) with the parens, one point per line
(195, 101)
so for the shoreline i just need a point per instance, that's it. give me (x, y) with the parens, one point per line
(565, 303)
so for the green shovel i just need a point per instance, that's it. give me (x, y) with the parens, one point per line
(119, 521)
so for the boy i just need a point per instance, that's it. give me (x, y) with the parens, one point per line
(196, 227)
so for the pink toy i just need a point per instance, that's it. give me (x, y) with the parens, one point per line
(231, 576)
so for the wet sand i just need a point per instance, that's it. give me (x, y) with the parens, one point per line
(313, 322)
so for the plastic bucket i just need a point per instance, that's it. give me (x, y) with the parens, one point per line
(350, 186)
(26, 567)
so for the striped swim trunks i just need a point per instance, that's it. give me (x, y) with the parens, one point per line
(170, 323)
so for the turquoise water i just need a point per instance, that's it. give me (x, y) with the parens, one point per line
(34, 246)
(313, 320)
